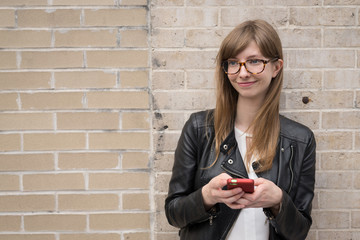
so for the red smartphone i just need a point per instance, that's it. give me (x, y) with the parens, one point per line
(247, 185)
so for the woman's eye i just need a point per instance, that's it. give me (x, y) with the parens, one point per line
(254, 61)
(232, 63)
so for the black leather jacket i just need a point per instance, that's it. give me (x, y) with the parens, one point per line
(293, 170)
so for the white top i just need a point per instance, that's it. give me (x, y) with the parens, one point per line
(251, 222)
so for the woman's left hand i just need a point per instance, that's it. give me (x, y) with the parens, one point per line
(266, 195)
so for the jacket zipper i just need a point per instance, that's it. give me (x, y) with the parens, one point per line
(290, 166)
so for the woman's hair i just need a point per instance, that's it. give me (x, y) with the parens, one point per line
(266, 125)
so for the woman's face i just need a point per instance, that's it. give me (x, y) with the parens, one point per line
(254, 86)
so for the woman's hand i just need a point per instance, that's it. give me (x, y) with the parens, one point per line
(212, 192)
(266, 195)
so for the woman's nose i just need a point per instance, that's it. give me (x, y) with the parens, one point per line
(243, 72)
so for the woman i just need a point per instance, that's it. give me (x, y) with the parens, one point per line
(244, 137)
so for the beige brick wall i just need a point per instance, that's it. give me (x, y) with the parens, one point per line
(94, 93)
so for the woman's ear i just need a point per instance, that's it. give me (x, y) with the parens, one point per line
(277, 67)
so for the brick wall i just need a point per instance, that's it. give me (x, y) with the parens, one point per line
(94, 93)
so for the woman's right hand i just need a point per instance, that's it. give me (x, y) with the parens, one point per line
(213, 192)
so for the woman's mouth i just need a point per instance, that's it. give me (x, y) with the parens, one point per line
(246, 84)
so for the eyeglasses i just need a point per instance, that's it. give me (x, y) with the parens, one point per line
(253, 66)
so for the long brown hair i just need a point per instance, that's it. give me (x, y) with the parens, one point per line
(266, 125)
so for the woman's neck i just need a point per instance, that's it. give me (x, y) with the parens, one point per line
(246, 112)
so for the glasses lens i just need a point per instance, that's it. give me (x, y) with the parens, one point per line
(231, 67)
(254, 66)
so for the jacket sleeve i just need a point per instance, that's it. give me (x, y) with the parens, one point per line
(184, 204)
(294, 219)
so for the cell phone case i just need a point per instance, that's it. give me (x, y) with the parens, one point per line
(247, 185)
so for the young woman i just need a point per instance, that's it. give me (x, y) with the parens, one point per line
(244, 137)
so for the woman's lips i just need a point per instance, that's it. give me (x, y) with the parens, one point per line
(246, 84)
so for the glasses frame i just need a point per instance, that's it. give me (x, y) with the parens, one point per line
(243, 64)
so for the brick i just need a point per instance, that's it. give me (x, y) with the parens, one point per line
(184, 100)
(24, 80)
(355, 219)
(341, 2)
(160, 200)
(90, 236)
(168, 80)
(51, 100)
(339, 235)
(162, 182)
(133, 38)
(162, 224)
(357, 181)
(53, 182)
(163, 161)
(331, 180)
(334, 79)
(133, 2)
(26, 121)
(117, 59)
(98, 181)
(329, 16)
(118, 100)
(183, 60)
(137, 236)
(167, 236)
(310, 119)
(168, 38)
(170, 121)
(48, 17)
(26, 162)
(134, 79)
(24, 3)
(357, 140)
(184, 17)
(7, 18)
(27, 236)
(357, 99)
(167, 2)
(330, 220)
(10, 142)
(8, 60)
(319, 100)
(86, 38)
(135, 120)
(9, 183)
(289, 3)
(87, 160)
(300, 38)
(321, 58)
(119, 221)
(124, 140)
(10, 223)
(205, 37)
(338, 120)
(55, 222)
(165, 141)
(8, 101)
(57, 141)
(339, 200)
(333, 140)
(83, 2)
(200, 80)
(88, 202)
(341, 37)
(88, 120)
(115, 17)
(24, 38)
(27, 203)
(135, 160)
(136, 201)
(51, 59)
(88, 79)
(206, 3)
(340, 161)
(275, 16)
